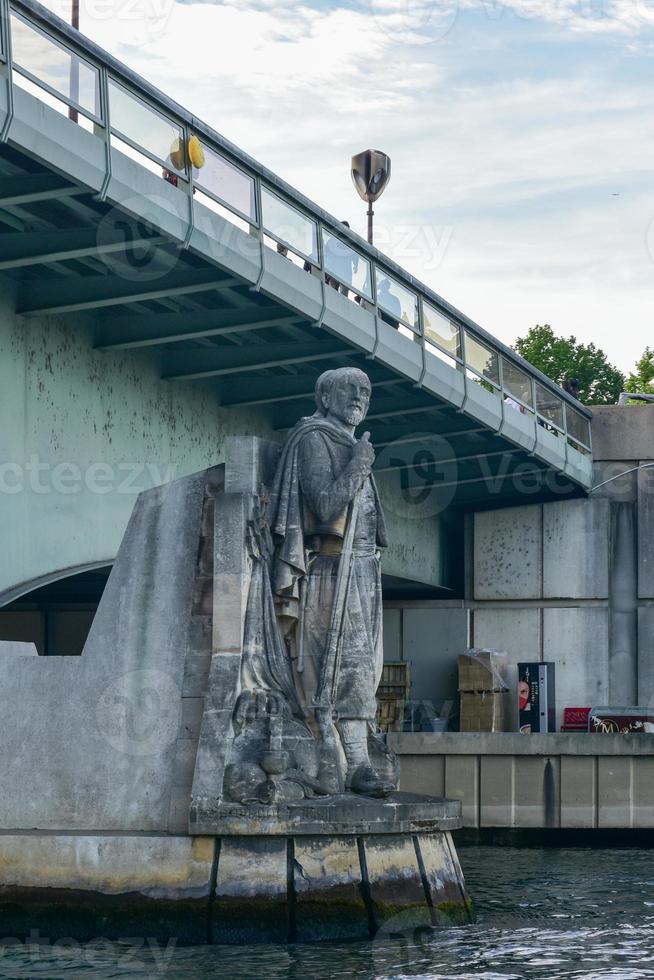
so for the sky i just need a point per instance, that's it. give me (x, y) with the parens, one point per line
(521, 134)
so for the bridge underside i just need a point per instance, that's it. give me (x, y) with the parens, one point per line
(244, 321)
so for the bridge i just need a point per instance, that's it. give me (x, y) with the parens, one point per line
(193, 293)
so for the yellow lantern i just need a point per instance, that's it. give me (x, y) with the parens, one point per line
(177, 156)
(195, 153)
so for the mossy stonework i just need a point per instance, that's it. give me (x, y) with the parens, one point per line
(195, 891)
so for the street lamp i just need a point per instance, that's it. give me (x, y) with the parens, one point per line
(74, 63)
(371, 172)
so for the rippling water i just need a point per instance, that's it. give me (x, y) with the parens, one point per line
(541, 915)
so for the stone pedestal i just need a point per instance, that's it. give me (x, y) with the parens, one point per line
(341, 868)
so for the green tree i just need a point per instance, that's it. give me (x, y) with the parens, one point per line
(600, 383)
(642, 381)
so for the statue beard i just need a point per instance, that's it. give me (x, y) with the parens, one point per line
(354, 416)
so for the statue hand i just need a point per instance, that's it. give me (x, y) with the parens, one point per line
(363, 453)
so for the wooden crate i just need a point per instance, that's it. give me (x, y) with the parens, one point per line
(392, 695)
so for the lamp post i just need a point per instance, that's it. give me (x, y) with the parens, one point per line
(371, 172)
(74, 63)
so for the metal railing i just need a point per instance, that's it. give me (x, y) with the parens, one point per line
(42, 52)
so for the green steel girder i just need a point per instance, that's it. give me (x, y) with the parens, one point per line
(30, 188)
(72, 294)
(38, 247)
(194, 364)
(123, 333)
(282, 388)
(388, 433)
(396, 405)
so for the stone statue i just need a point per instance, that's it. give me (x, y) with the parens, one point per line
(304, 722)
(328, 524)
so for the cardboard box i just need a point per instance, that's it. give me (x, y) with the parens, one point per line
(483, 670)
(484, 711)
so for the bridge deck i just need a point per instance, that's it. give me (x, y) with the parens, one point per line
(192, 269)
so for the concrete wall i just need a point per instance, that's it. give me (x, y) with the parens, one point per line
(571, 582)
(106, 741)
(83, 431)
(429, 635)
(546, 781)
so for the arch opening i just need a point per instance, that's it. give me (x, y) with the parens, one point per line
(53, 620)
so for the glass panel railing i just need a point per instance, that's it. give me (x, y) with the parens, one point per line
(398, 301)
(549, 406)
(148, 130)
(61, 71)
(517, 383)
(481, 359)
(440, 330)
(56, 71)
(286, 224)
(578, 426)
(227, 183)
(345, 265)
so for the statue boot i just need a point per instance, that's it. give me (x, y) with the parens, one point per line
(361, 776)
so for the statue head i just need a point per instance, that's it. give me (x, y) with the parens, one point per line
(343, 394)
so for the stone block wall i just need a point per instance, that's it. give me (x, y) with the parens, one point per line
(558, 781)
(573, 581)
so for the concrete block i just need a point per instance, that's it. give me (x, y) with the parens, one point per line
(392, 635)
(181, 782)
(17, 648)
(432, 641)
(576, 549)
(646, 531)
(623, 432)
(416, 548)
(576, 640)
(328, 897)
(623, 485)
(646, 655)
(497, 800)
(623, 606)
(516, 632)
(89, 886)
(100, 752)
(462, 783)
(198, 658)
(643, 791)
(507, 553)
(251, 887)
(536, 789)
(249, 464)
(614, 791)
(423, 774)
(578, 791)
(444, 879)
(394, 878)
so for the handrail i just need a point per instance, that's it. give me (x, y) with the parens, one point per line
(380, 263)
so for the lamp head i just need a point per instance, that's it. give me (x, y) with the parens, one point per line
(371, 172)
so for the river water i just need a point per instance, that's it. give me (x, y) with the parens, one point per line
(541, 915)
